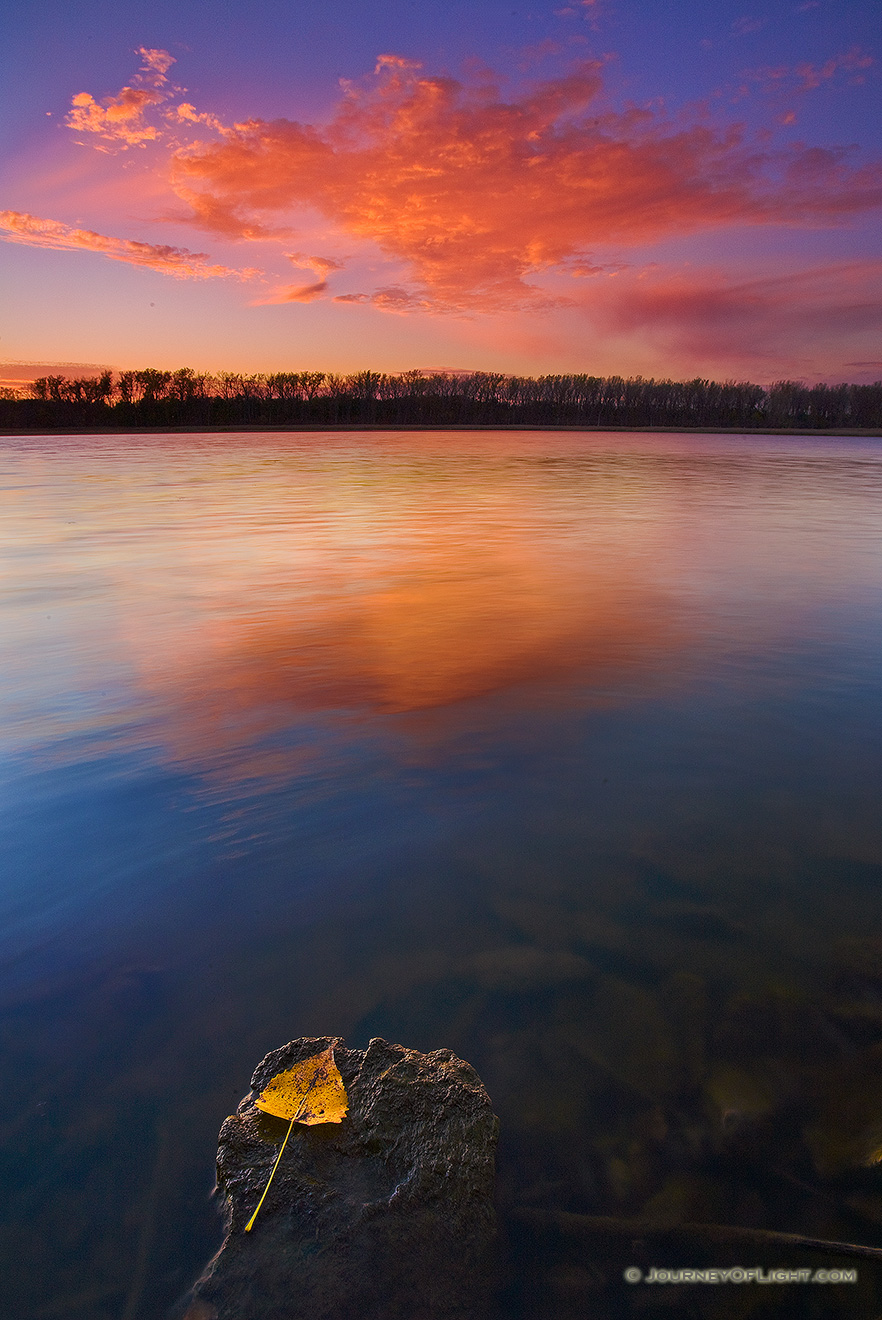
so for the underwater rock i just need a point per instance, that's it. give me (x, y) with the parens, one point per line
(858, 959)
(845, 1130)
(523, 967)
(387, 1215)
(737, 1097)
(626, 1034)
(697, 920)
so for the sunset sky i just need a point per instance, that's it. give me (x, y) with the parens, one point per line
(607, 186)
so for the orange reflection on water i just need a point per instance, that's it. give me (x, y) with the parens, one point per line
(438, 613)
(216, 594)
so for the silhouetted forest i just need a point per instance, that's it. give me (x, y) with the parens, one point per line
(187, 398)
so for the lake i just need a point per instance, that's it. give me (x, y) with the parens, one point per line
(561, 750)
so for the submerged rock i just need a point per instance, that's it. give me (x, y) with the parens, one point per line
(388, 1214)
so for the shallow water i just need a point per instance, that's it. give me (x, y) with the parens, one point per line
(563, 751)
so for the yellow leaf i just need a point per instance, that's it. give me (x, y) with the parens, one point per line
(310, 1092)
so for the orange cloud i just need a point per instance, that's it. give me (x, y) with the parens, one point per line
(473, 194)
(226, 221)
(182, 264)
(185, 113)
(121, 119)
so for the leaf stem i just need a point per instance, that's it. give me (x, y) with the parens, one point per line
(250, 1223)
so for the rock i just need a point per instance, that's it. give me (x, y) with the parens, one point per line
(386, 1216)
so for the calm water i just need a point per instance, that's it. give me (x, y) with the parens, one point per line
(563, 751)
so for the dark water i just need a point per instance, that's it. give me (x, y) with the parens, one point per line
(563, 751)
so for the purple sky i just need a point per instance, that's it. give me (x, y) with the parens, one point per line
(689, 189)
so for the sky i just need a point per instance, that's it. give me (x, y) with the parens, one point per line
(602, 186)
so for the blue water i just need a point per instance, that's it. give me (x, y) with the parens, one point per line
(563, 751)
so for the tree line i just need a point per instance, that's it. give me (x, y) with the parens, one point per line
(169, 399)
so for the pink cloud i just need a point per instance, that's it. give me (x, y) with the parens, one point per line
(157, 62)
(742, 27)
(20, 227)
(808, 77)
(306, 293)
(17, 375)
(853, 61)
(707, 317)
(322, 266)
(541, 50)
(391, 299)
(589, 10)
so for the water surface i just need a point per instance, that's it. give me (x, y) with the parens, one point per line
(560, 750)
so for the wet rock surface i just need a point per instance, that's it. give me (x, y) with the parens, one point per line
(387, 1214)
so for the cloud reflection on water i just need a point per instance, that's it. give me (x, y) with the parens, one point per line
(202, 602)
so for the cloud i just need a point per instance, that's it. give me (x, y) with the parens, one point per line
(472, 194)
(15, 375)
(121, 119)
(306, 293)
(182, 264)
(118, 119)
(707, 317)
(392, 299)
(853, 61)
(321, 265)
(742, 27)
(540, 50)
(185, 113)
(808, 77)
(157, 62)
(588, 10)
(220, 217)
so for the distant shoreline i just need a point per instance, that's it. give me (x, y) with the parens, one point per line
(187, 402)
(805, 432)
